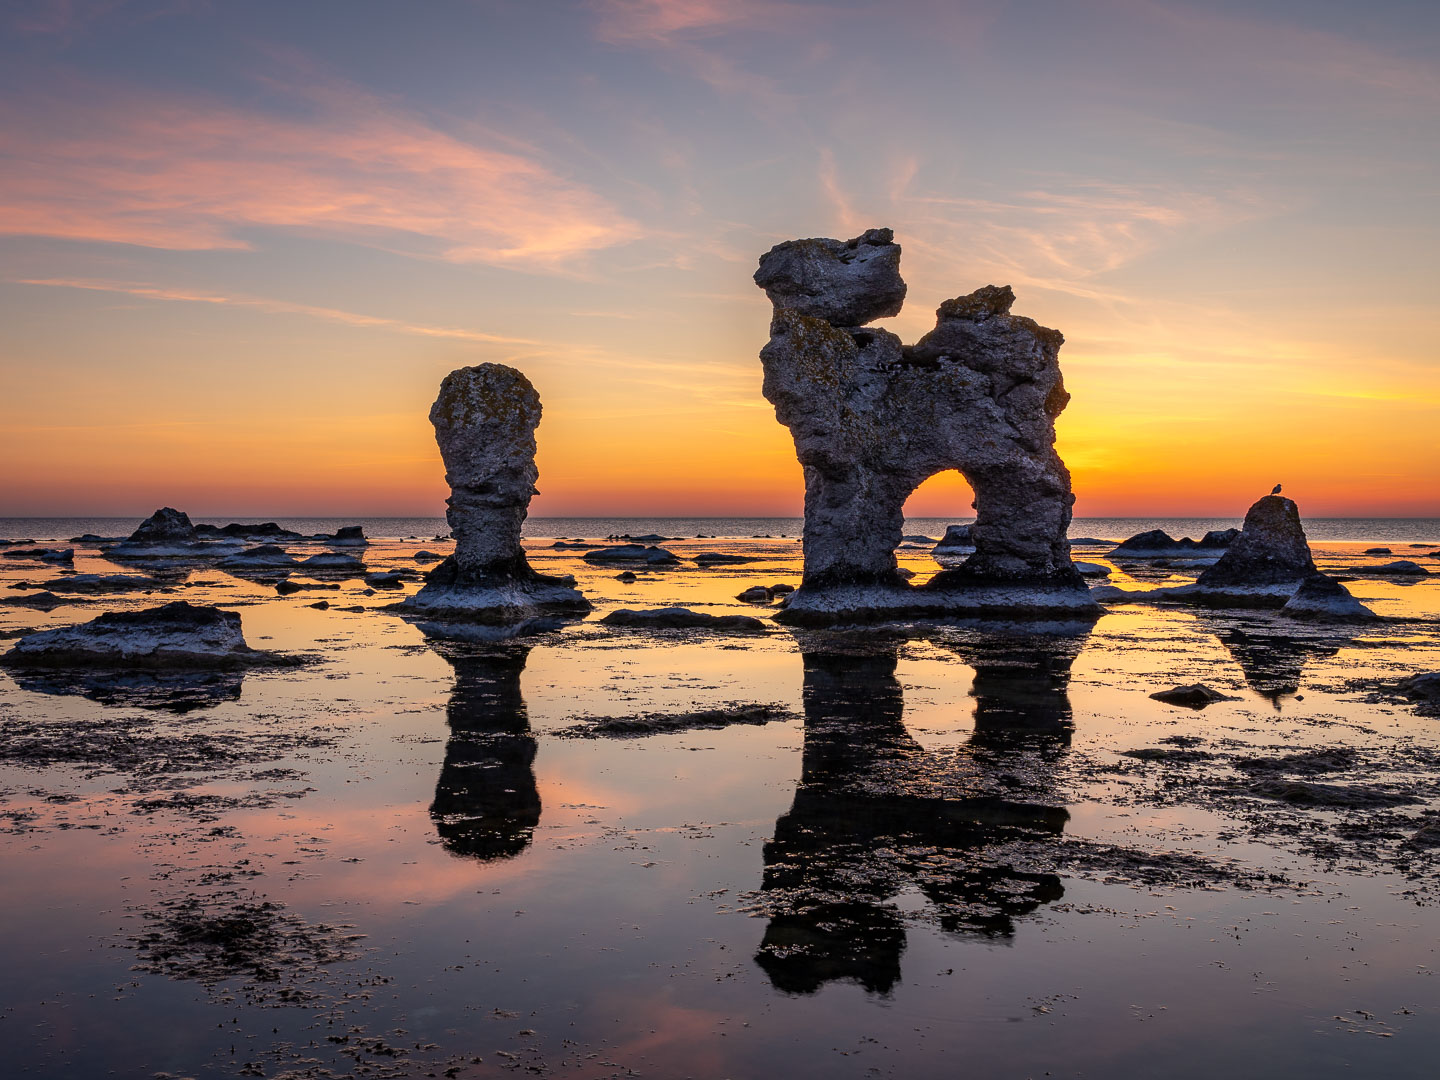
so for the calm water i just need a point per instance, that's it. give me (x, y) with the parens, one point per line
(955, 850)
(1418, 530)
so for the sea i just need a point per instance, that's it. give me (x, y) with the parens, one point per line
(1338, 530)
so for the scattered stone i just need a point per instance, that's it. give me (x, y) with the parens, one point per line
(41, 554)
(1378, 551)
(172, 635)
(627, 576)
(654, 556)
(1092, 569)
(485, 419)
(1423, 688)
(320, 605)
(1194, 696)
(392, 579)
(782, 588)
(716, 558)
(287, 587)
(679, 618)
(756, 594)
(427, 557)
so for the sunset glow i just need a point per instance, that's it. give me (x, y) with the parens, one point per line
(241, 244)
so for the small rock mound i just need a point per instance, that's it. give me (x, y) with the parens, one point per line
(654, 556)
(1194, 696)
(1322, 597)
(166, 526)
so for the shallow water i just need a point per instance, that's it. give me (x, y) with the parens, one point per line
(940, 856)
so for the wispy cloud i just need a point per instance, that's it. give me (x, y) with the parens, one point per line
(277, 307)
(663, 22)
(102, 164)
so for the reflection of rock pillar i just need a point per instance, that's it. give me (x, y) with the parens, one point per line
(872, 815)
(486, 801)
(1022, 686)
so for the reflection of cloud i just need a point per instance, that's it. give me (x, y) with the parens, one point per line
(186, 174)
(282, 307)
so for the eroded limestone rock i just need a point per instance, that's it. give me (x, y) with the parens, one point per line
(172, 635)
(872, 419)
(1270, 550)
(485, 420)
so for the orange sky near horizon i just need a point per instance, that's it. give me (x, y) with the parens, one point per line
(232, 283)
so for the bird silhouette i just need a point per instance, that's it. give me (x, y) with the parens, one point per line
(1275, 490)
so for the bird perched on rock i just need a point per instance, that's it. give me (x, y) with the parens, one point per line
(1275, 490)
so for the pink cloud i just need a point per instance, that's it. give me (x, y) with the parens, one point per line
(191, 174)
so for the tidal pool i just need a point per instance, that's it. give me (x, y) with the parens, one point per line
(926, 850)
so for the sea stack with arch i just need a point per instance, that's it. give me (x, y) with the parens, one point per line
(872, 419)
(485, 420)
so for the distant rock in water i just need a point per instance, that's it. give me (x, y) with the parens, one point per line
(654, 556)
(680, 618)
(485, 419)
(101, 583)
(1323, 598)
(267, 530)
(1157, 543)
(1378, 551)
(347, 536)
(719, 558)
(956, 541)
(173, 635)
(1270, 550)
(332, 561)
(264, 557)
(166, 526)
(44, 601)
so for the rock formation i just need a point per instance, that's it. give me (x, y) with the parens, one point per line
(485, 420)
(872, 419)
(166, 526)
(1157, 543)
(1270, 550)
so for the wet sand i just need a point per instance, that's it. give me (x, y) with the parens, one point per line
(916, 851)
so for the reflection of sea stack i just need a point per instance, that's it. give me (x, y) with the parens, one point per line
(485, 420)
(486, 802)
(875, 814)
(1022, 684)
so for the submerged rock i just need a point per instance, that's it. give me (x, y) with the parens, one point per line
(331, 561)
(718, 558)
(872, 419)
(1194, 696)
(1322, 597)
(655, 556)
(41, 554)
(264, 557)
(679, 618)
(485, 419)
(173, 635)
(1398, 568)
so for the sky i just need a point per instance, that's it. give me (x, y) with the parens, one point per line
(242, 242)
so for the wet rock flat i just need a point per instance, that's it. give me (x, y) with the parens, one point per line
(173, 635)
